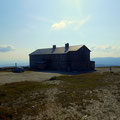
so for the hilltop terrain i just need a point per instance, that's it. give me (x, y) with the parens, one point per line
(106, 61)
(89, 96)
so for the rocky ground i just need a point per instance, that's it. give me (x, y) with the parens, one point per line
(101, 102)
(106, 107)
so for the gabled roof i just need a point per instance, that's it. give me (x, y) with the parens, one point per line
(58, 50)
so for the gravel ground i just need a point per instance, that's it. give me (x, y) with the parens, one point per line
(8, 77)
(107, 107)
(107, 69)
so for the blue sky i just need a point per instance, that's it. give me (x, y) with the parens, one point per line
(26, 25)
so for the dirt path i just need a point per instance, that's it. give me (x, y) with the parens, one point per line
(9, 77)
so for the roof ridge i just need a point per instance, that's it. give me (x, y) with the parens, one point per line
(60, 47)
(58, 50)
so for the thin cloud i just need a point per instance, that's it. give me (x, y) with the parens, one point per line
(105, 48)
(66, 23)
(6, 48)
(60, 25)
(102, 47)
(29, 28)
(80, 23)
(42, 19)
(105, 51)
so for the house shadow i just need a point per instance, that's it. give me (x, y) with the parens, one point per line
(64, 72)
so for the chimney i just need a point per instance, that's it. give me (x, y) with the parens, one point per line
(67, 46)
(54, 47)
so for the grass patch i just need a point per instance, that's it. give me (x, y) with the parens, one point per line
(14, 90)
(87, 81)
(17, 99)
(109, 67)
(53, 78)
(79, 89)
(29, 98)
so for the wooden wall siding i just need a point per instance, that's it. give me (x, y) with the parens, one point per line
(72, 61)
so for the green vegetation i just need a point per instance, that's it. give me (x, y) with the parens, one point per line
(8, 91)
(29, 98)
(109, 67)
(79, 88)
(19, 98)
(83, 81)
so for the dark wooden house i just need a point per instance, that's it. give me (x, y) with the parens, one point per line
(68, 58)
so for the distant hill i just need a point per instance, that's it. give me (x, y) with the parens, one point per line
(12, 63)
(106, 61)
(99, 62)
